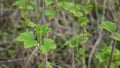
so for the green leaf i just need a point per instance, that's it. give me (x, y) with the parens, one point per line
(27, 38)
(75, 41)
(116, 36)
(48, 64)
(30, 7)
(82, 53)
(83, 21)
(20, 3)
(69, 6)
(78, 14)
(86, 8)
(30, 23)
(41, 65)
(48, 45)
(109, 26)
(103, 54)
(101, 57)
(50, 13)
(48, 2)
(42, 29)
(116, 58)
(30, 43)
(74, 9)
(11, 53)
(72, 43)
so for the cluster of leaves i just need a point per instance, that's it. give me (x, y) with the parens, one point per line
(51, 13)
(28, 37)
(111, 27)
(25, 5)
(46, 44)
(103, 56)
(76, 41)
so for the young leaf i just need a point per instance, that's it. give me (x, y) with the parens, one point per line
(48, 45)
(27, 38)
(101, 57)
(109, 26)
(50, 13)
(116, 36)
(103, 54)
(30, 7)
(72, 43)
(83, 21)
(30, 23)
(78, 14)
(48, 2)
(30, 43)
(75, 41)
(82, 53)
(42, 29)
(20, 3)
(86, 8)
(74, 9)
(69, 6)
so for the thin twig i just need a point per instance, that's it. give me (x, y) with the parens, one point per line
(111, 55)
(73, 58)
(12, 60)
(94, 48)
(99, 38)
(31, 56)
(45, 61)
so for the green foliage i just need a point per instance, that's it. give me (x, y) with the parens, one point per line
(11, 52)
(109, 26)
(48, 64)
(77, 10)
(48, 45)
(83, 21)
(22, 4)
(116, 36)
(69, 6)
(50, 13)
(60, 0)
(103, 55)
(41, 30)
(48, 2)
(75, 41)
(81, 53)
(87, 8)
(27, 38)
(30, 23)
